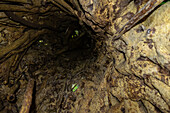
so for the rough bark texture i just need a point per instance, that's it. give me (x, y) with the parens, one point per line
(120, 57)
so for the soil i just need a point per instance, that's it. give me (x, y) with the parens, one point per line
(55, 72)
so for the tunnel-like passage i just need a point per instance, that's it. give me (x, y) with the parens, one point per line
(79, 56)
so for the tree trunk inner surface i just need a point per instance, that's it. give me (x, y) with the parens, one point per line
(80, 56)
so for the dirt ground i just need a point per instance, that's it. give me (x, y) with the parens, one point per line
(55, 72)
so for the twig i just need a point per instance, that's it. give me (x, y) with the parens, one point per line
(27, 97)
(18, 1)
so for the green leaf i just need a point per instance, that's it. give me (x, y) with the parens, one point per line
(77, 32)
(164, 2)
(74, 87)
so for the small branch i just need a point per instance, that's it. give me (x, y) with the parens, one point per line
(18, 1)
(24, 22)
(26, 104)
(6, 52)
(63, 5)
(12, 94)
(9, 7)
